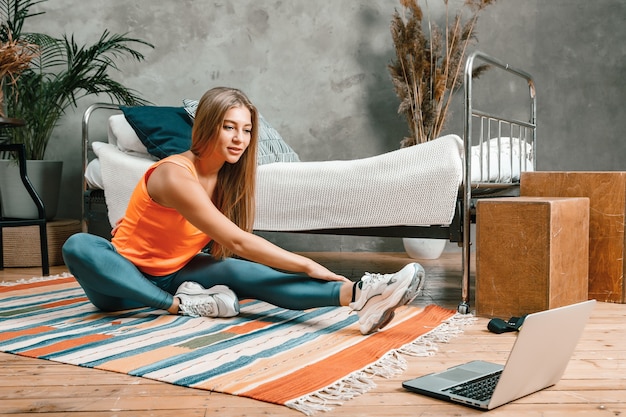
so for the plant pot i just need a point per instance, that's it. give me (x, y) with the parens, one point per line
(424, 248)
(15, 200)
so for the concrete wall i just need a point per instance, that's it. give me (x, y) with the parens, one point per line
(317, 71)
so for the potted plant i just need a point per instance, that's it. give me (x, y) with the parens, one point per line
(61, 72)
(426, 72)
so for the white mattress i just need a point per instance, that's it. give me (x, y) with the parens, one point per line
(411, 186)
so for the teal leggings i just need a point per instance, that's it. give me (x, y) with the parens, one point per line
(113, 283)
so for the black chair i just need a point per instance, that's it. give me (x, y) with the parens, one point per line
(20, 150)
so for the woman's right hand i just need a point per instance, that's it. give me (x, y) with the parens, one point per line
(318, 271)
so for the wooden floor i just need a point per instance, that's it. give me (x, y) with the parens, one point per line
(594, 383)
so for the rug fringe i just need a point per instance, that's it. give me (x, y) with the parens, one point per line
(428, 344)
(36, 279)
(326, 399)
(388, 366)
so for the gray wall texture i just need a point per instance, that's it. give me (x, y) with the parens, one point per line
(317, 70)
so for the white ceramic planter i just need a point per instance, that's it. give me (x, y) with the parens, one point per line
(423, 248)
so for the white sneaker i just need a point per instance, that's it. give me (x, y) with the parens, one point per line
(196, 301)
(380, 295)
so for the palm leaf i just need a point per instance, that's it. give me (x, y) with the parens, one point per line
(13, 13)
(51, 52)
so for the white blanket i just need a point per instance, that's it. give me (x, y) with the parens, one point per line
(411, 186)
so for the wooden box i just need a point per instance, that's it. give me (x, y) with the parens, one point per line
(607, 217)
(531, 254)
(21, 244)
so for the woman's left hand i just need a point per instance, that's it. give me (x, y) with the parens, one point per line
(117, 226)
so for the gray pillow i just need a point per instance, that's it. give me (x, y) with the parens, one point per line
(272, 147)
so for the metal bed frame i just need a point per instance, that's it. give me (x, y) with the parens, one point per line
(527, 132)
(487, 126)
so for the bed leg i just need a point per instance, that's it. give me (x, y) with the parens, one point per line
(464, 305)
(463, 308)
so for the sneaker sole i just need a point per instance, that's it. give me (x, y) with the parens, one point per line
(413, 289)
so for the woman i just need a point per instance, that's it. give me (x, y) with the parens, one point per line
(204, 195)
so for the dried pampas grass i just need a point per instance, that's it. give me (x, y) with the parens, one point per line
(429, 62)
(15, 57)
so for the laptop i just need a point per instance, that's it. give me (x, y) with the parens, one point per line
(537, 360)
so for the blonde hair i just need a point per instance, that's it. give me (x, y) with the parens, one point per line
(234, 192)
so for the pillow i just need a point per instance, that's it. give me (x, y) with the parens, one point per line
(93, 173)
(271, 147)
(122, 135)
(163, 130)
(190, 107)
(502, 159)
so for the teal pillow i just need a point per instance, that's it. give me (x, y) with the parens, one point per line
(164, 131)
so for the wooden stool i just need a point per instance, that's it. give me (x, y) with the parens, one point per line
(21, 244)
(607, 221)
(531, 254)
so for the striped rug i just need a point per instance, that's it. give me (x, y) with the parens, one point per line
(308, 360)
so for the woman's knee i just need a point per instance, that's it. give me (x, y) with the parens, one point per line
(80, 246)
(72, 246)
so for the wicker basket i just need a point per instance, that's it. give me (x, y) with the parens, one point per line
(21, 244)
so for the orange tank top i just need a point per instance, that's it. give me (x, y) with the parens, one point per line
(157, 239)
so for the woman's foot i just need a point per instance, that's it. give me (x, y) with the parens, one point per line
(377, 296)
(196, 301)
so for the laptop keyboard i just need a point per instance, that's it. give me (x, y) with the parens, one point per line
(478, 389)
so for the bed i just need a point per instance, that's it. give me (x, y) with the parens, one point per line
(427, 190)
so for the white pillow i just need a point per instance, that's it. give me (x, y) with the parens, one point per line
(122, 135)
(505, 170)
(93, 176)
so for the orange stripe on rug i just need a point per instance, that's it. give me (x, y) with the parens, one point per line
(125, 365)
(64, 345)
(65, 302)
(26, 332)
(36, 284)
(320, 375)
(249, 327)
